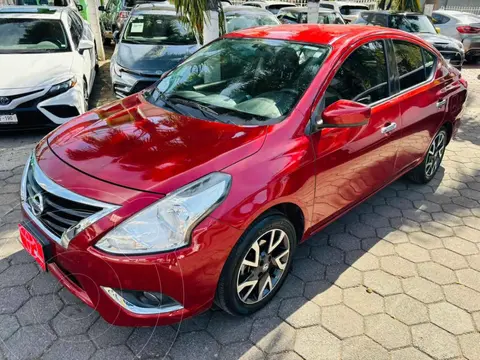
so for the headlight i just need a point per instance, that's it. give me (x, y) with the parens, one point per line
(168, 223)
(116, 69)
(63, 86)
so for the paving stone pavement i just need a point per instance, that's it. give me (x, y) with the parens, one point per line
(407, 286)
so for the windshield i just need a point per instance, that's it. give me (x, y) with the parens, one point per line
(158, 29)
(352, 9)
(32, 36)
(239, 21)
(412, 23)
(243, 81)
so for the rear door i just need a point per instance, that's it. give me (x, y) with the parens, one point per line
(351, 163)
(422, 99)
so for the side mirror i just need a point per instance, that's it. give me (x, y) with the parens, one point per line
(101, 8)
(437, 29)
(85, 45)
(116, 36)
(344, 113)
(80, 7)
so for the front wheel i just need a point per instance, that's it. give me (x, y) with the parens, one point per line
(425, 172)
(257, 266)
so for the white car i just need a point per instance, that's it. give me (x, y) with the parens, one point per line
(47, 66)
(349, 10)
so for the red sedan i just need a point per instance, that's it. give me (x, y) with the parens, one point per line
(198, 190)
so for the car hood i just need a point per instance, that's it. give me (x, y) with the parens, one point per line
(151, 59)
(20, 71)
(135, 144)
(438, 38)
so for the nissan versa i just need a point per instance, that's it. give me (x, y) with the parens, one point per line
(198, 190)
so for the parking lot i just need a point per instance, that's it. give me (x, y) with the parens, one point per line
(397, 278)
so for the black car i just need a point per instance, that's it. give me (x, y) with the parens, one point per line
(419, 24)
(154, 40)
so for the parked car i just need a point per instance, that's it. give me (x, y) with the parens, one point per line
(242, 17)
(419, 24)
(154, 40)
(47, 66)
(462, 26)
(199, 190)
(299, 15)
(73, 4)
(115, 13)
(349, 10)
(272, 6)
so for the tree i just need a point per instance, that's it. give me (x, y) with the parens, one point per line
(204, 16)
(405, 5)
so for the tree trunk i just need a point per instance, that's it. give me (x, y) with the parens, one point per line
(312, 14)
(211, 24)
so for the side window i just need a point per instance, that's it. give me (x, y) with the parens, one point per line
(440, 19)
(362, 77)
(430, 62)
(75, 31)
(409, 64)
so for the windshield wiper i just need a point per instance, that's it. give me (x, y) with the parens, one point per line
(164, 98)
(205, 110)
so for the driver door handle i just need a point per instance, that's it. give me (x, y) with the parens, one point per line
(389, 127)
(441, 103)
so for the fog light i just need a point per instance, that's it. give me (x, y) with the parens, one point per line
(143, 302)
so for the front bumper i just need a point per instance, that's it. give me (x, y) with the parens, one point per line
(188, 275)
(130, 82)
(40, 110)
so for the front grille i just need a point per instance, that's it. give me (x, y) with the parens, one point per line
(57, 214)
(5, 100)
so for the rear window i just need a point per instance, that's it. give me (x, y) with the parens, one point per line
(274, 9)
(352, 9)
(244, 20)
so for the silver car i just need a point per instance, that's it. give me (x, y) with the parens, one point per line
(462, 26)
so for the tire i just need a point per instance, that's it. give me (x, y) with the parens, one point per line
(235, 272)
(423, 173)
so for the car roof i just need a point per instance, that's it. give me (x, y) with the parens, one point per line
(148, 7)
(244, 9)
(267, 2)
(304, 9)
(342, 3)
(317, 34)
(33, 12)
(391, 12)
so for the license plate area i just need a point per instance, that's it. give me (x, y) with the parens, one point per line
(8, 119)
(35, 245)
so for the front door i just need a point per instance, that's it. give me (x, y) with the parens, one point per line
(351, 163)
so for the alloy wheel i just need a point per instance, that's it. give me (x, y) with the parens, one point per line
(435, 154)
(263, 266)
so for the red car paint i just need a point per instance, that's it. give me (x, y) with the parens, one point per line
(131, 153)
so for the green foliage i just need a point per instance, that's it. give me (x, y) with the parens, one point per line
(405, 5)
(194, 11)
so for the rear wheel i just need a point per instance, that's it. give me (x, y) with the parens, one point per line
(257, 266)
(425, 172)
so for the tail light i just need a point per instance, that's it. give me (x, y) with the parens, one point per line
(123, 15)
(467, 29)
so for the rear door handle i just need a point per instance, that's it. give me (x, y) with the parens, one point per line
(389, 128)
(441, 103)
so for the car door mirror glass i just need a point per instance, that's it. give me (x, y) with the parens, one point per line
(116, 36)
(344, 113)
